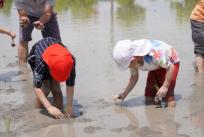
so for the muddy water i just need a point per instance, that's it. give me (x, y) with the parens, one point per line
(90, 29)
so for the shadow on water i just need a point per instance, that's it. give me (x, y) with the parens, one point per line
(139, 101)
(77, 109)
(6, 77)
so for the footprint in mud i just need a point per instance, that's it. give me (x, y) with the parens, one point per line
(91, 129)
(12, 64)
(84, 120)
(10, 90)
(128, 128)
(103, 104)
(117, 129)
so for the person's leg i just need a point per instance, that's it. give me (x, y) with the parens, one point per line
(46, 87)
(199, 63)
(51, 28)
(22, 52)
(24, 38)
(150, 89)
(198, 40)
(57, 94)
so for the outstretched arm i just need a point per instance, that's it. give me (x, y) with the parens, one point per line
(130, 86)
(51, 109)
(7, 32)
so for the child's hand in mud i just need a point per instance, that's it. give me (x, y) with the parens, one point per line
(55, 112)
(69, 112)
(117, 98)
(38, 25)
(162, 91)
(24, 21)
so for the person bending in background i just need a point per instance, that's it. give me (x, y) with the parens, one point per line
(157, 57)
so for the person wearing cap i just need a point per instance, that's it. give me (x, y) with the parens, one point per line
(52, 63)
(157, 57)
(39, 14)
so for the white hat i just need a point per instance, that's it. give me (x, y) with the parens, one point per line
(125, 50)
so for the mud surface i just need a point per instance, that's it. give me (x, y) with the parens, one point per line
(90, 32)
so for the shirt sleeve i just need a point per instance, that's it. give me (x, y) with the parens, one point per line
(19, 4)
(37, 80)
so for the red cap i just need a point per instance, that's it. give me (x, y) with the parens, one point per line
(59, 61)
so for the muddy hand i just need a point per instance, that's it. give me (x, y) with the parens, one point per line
(24, 21)
(55, 112)
(69, 113)
(38, 25)
(118, 98)
(162, 91)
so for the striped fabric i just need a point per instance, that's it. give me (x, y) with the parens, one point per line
(40, 68)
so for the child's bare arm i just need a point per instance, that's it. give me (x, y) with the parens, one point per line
(169, 76)
(51, 109)
(70, 94)
(129, 87)
(7, 32)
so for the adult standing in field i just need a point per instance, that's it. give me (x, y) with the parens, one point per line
(197, 27)
(38, 14)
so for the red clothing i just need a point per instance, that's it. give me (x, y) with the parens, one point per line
(157, 77)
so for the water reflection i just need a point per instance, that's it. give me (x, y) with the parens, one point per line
(183, 9)
(63, 130)
(6, 10)
(196, 107)
(79, 8)
(129, 12)
(160, 122)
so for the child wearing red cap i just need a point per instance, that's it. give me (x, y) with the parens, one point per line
(52, 63)
(157, 57)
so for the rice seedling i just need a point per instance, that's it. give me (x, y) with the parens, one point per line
(157, 99)
(7, 124)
